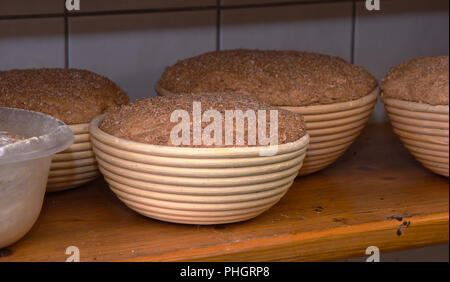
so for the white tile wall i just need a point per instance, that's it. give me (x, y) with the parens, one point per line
(33, 7)
(31, 43)
(133, 50)
(323, 28)
(401, 30)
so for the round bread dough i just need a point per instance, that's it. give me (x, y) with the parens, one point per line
(148, 120)
(71, 95)
(281, 78)
(422, 80)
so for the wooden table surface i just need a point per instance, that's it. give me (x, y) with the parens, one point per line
(374, 195)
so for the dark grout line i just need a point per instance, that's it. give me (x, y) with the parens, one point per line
(218, 25)
(37, 16)
(164, 10)
(142, 11)
(287, 3)
(353, 33)
(107, 13)
(66, 40)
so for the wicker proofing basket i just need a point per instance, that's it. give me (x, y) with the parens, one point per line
(196, 185)
(76, 165)
(423, 129)
(332, 128)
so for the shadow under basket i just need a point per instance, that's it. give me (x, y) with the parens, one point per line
(423, 130)
(332, 128)
(75, 166)
(196, 185)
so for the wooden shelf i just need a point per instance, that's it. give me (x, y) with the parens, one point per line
(376, 194)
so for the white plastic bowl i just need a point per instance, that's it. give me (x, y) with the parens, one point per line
(24, 168)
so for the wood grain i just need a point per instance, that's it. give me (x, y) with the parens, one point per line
(375, 194)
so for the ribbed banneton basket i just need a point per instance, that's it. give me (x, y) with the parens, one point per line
(333, 128)
(75, 166)
(196, 185)
(423, 129)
